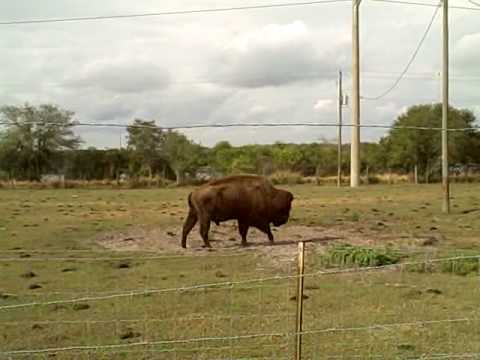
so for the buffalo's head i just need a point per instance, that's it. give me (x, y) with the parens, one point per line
(281, 205)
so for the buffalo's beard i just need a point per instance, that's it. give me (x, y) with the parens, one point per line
(280, 221)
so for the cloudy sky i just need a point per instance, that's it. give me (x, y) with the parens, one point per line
(253, 66)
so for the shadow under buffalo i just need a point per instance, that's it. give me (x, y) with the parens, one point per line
(317, 240)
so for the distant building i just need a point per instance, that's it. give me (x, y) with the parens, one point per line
(52, 178)
(207, 173)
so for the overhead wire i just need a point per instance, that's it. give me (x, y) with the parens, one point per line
(213, 10)
(290, 77)
(410, 62)
(169, 13)
(233, 125)
(417, 3)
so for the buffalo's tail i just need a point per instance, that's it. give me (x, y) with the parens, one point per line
(190, 221)
(190, 201)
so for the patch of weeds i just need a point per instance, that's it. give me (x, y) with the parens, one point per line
(354, 217)
(461, 267)
(80, 306)
(122, 265)
(434, 291)
(28, 275)
(5, 296)
(413, 294)
(220, 274)
(406, 347)
(349, 255)
(129, 334)
(294, 297)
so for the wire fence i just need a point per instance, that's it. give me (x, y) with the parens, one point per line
(83, 304)
(421, 309)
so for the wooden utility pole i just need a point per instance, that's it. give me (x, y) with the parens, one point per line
(355, 146)
(300, 280)
(339, 130)
(445, 80)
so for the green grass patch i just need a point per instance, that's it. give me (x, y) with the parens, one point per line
(461, 267)
(349, 255)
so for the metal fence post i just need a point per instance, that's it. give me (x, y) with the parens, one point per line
(299, 324)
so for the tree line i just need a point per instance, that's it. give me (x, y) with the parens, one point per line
(37, 140)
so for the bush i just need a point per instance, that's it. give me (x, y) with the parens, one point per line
(348, 255)
(286, 178)
(460, 267)
(144, 182)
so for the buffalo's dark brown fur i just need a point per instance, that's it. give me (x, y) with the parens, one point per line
(251, 200)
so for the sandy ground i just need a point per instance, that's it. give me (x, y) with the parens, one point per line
(225, 238)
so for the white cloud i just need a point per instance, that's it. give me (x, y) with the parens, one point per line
(121, 76)
(468, 51)
(323, 104)
(275, 55)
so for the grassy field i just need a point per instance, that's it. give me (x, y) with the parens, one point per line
(49, 255)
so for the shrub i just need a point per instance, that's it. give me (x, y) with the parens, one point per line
(461, 266)
(286, 178)
(348, 255)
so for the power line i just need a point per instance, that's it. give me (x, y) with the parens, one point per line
(288, 77)
(416, 3)
(410, 62)
(168, 13)
(236, 125)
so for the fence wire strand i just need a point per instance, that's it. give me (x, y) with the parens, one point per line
(223, 284)
(230, 338)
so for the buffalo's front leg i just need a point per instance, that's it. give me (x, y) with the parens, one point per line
(266, 229)
(243, 230)
(269, 234)
(204, 229)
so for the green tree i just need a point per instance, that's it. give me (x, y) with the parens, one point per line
(222, 156)
(408, 148)
(182, 155)
(145, 141)
(35, 138)
(286, 156)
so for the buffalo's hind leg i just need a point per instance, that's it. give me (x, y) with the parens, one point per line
(204, 229)
(190, 222)
(243, 230)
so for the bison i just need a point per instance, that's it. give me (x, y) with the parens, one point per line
(251, 200)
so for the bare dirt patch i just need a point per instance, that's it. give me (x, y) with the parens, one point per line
(225, 238)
